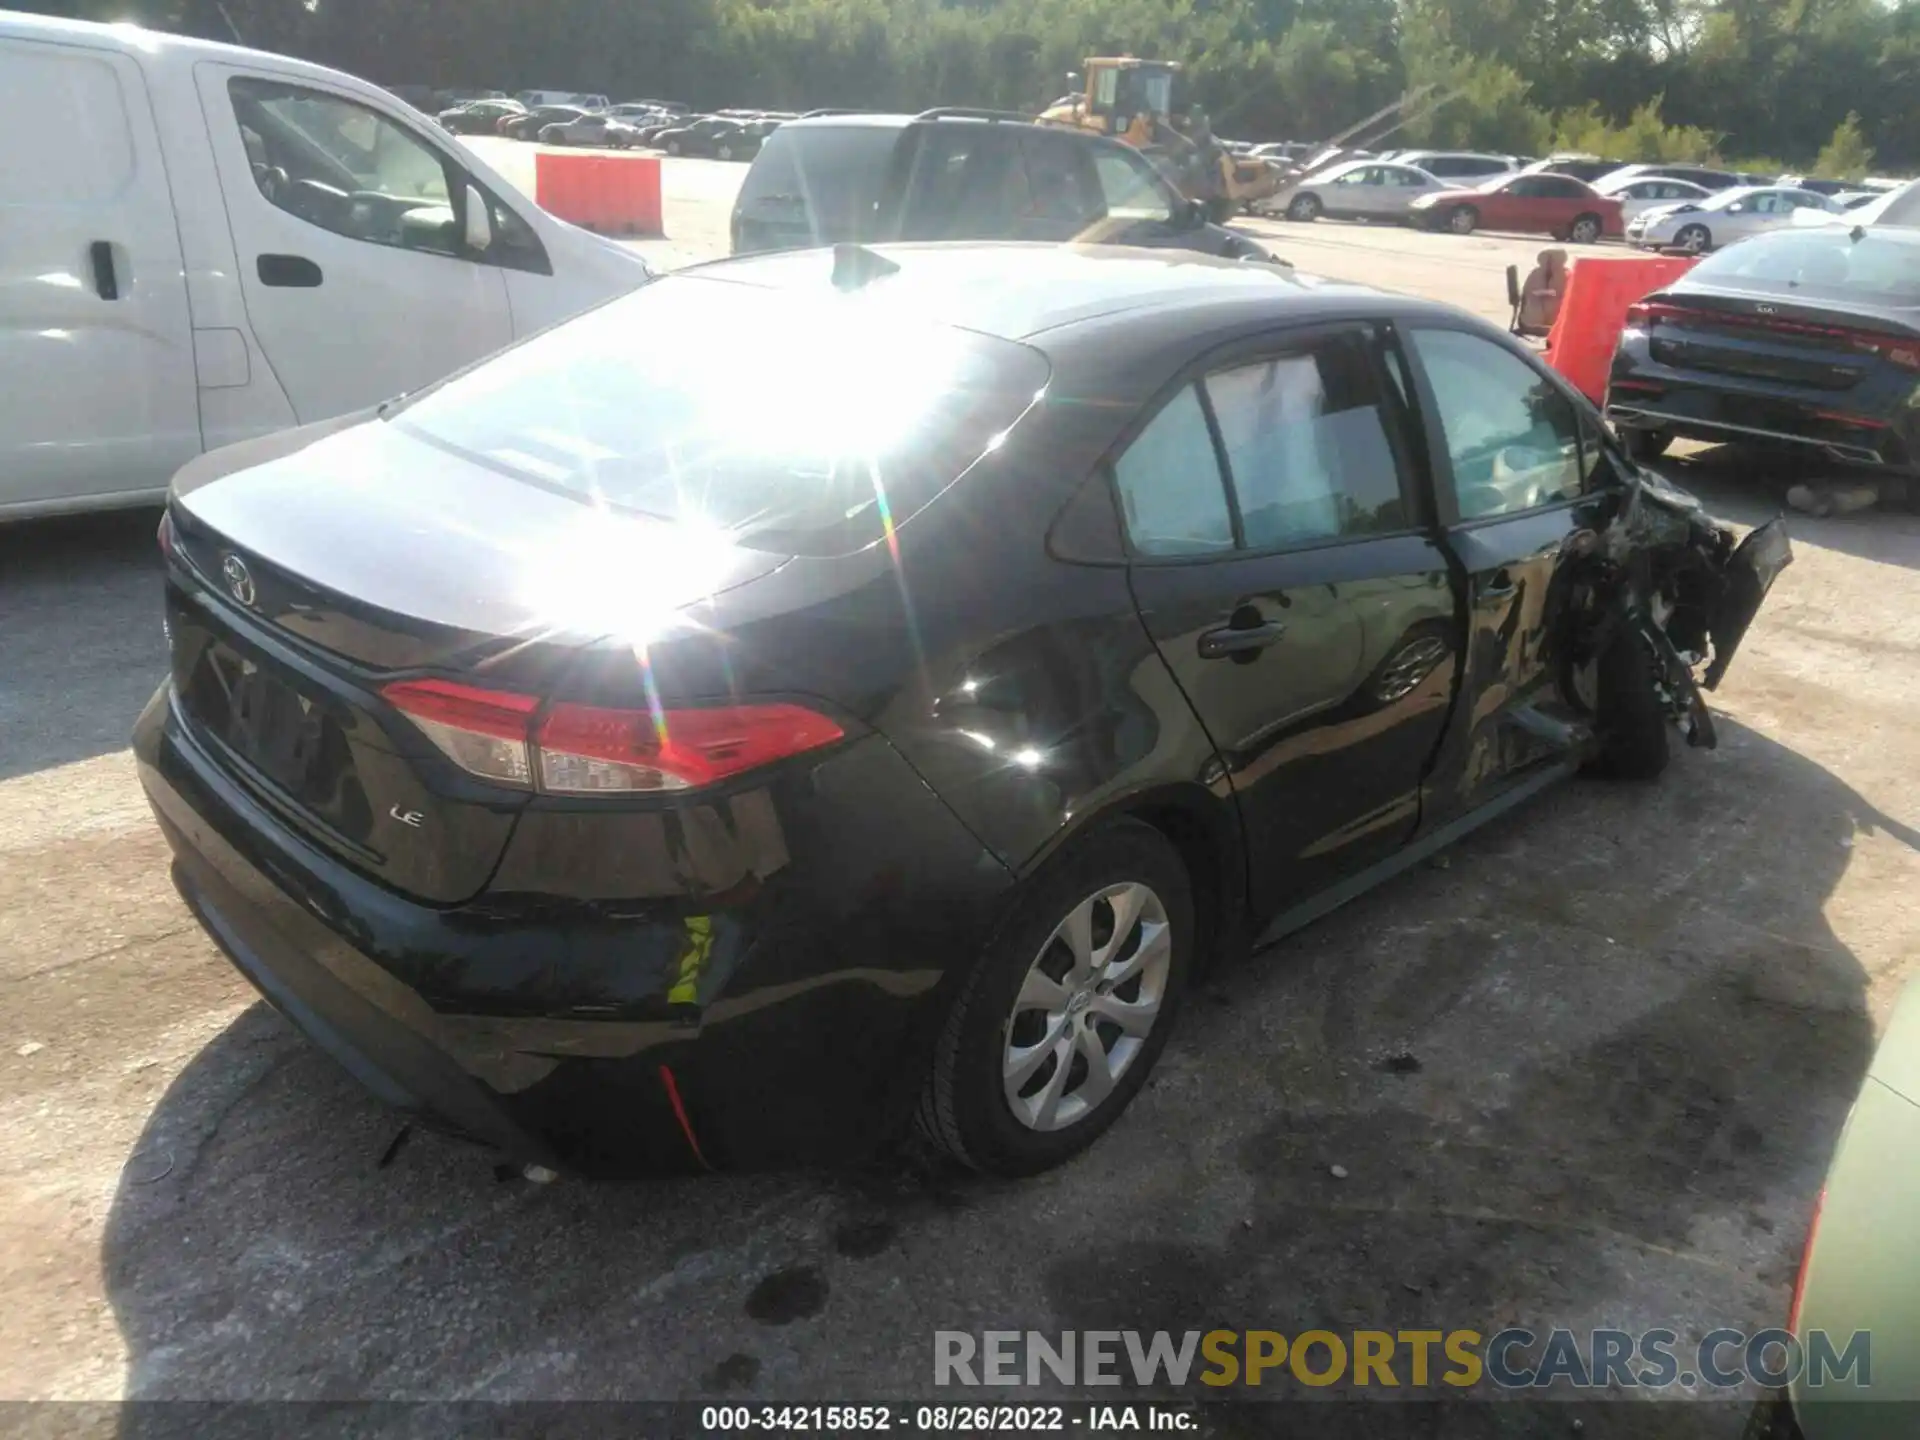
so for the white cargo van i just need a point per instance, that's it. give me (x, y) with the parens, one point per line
(200, 243)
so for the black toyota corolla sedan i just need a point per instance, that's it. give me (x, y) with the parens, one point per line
(1805, 340)
(625, 779)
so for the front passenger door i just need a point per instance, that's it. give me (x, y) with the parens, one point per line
(1280, 564)
(1515, 477)
(353, 269)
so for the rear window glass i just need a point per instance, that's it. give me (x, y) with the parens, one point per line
(827, 177)
(802, 423)
(1825, 263)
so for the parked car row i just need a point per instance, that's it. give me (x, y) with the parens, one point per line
(657, 124)
(1656, 207)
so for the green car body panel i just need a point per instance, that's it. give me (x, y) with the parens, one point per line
(1862, 1267)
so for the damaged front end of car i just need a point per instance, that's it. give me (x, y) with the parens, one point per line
(1682, 583)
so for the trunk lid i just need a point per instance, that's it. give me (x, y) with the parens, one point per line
(302, 585)
(1767, 338)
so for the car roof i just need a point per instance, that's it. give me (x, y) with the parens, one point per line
(1020, 291)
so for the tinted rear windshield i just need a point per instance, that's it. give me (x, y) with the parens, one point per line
(803, 423)
(825, 177)
(1825, 263)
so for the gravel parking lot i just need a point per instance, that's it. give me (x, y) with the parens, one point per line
(1588, 1071)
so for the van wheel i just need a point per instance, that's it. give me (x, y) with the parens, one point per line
(1304, 208)
(1062, 1020)
(1585, 230)
(1628, 711)
(1463, 219)
(1645, 446)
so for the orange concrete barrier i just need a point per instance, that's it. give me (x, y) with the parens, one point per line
(1593, 311)
(613, 194)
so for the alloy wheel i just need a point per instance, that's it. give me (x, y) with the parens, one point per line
(1585, 231)
(1693, 238)
(1088, 1003)
(1462, 220)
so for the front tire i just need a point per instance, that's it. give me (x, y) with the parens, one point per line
(1695, 239)
(1304, 209)
(1628, 711)
(673, 147)
(726, 152)
(1463, 220)
(1585, 230)
(1063, 1018)
(1645, 446)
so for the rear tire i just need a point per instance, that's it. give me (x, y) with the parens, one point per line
(1628, 711)
(1585, 230)
(1304, 209)
(1463, 220)
(1004, 1046)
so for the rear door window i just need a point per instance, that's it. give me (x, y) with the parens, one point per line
(824, 179)
(1171, 493)
(1064, 195)
(960, 185)
(76, 97)
(1306, 444)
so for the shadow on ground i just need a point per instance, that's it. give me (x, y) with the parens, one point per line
(81, 644)
(1589, 1072)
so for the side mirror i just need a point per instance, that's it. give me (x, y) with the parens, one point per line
(479, 227)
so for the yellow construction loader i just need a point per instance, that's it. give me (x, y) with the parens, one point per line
(1132, 100)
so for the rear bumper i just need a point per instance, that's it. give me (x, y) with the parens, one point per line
(785, 1023)
(1645, 395)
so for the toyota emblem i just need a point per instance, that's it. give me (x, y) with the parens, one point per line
(239, 579)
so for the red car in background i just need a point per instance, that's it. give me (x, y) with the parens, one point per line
(1556, 205)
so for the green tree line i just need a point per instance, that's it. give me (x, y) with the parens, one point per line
(1787, 82)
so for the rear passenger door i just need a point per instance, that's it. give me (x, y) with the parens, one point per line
(1518, 472)
(960, 181)
(1280, 565)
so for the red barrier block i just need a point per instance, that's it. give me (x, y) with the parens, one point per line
(1593, 311)
(613, 194)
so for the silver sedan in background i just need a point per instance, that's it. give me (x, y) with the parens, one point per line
(1723, 217)
(1356, 190)
(598, 129)
(1638, 194)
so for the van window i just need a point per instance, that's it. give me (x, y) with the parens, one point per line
(73, 96)
(344, 167)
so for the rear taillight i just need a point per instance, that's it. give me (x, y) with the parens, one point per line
(482, 731)
(595, 750)
(1806, 1259)
(1893, 349)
